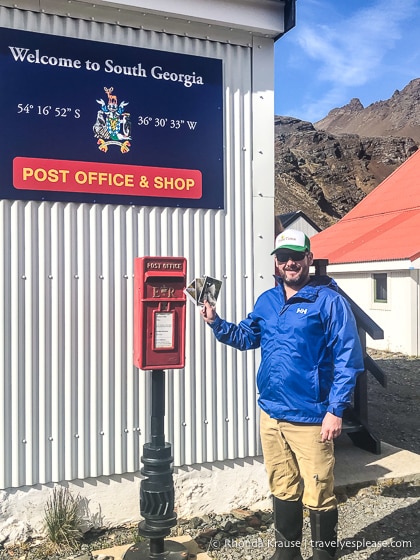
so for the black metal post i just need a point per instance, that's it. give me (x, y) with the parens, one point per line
(363, 437)
(157, 496)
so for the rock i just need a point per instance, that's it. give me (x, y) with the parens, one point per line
(209, 534)
(253, 521)
(195, 522)
(241, 513)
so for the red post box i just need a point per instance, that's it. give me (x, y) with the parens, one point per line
(159, 312)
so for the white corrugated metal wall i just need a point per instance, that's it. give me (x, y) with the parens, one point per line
(73, 405)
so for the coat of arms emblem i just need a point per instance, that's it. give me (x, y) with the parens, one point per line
(113, 125)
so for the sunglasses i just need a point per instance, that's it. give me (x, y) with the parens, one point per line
(284, 257)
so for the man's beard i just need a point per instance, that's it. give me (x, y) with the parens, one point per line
(296, 282)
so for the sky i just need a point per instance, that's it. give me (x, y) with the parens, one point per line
(342, 49)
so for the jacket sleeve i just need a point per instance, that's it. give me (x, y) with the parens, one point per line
(343, 340)
(244, 336)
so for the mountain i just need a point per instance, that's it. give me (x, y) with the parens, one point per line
(397, 116)
(324, 169)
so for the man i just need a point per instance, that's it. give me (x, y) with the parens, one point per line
(310, 358)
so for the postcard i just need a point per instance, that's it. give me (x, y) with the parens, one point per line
(205, 288)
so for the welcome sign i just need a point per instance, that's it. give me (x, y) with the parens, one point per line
(93, 122)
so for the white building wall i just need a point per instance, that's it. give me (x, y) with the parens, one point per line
(303, 225)
(74, 407)
(398, 317)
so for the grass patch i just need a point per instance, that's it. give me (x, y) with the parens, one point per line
(62, 521)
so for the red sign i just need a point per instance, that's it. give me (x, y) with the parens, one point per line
(105, 178)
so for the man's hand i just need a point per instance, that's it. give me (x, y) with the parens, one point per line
(331, 427)
(208, 312)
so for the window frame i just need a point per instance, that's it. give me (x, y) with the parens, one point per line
(378, 284)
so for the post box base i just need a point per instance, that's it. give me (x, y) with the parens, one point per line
(171, 551)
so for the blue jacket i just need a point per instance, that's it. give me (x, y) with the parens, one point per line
(310, 350)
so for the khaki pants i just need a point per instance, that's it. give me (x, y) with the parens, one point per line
(298, 464)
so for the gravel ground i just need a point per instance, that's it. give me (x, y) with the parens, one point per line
(379, 522)
(394, 410)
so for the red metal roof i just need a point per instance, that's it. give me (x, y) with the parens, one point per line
(384, 226)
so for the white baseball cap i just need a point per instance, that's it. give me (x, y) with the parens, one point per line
(292, 240)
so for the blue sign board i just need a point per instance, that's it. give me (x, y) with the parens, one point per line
(89, 121)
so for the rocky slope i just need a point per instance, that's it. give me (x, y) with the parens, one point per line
(325, 169)
(397, 116)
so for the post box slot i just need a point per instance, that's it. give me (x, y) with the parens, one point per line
(172, 274)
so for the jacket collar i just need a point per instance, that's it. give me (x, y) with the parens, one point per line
(312, 288)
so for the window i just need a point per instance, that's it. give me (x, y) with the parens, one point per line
(380, 287)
